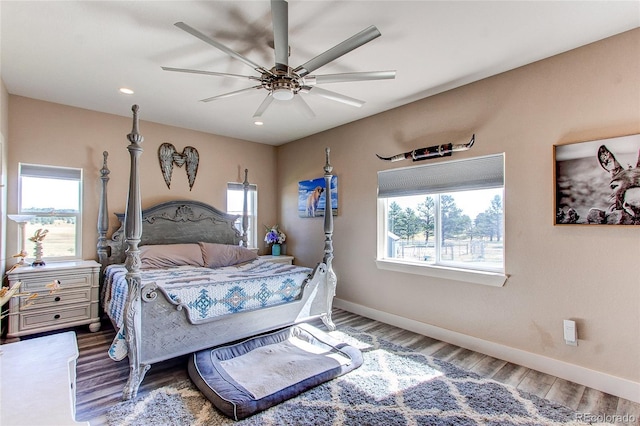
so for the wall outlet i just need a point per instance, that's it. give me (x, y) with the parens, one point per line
(570, 333)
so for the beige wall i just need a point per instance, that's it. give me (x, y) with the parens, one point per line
(4, 108)
(589, 274)
(4, 130)
(47, 133)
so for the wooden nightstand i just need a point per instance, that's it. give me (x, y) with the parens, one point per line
(76, 303)
(279, 259)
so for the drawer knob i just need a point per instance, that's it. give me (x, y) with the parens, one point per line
(56, 316)
(57, 299)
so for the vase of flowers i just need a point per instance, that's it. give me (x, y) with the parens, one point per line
(275, 237)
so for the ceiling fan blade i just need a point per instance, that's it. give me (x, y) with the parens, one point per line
(338, 50)
(263, 106)
(315, 90)
(349, 77)
(303, 106)
(221, 46)
(219, 74)
(280, 16)
(230, 94)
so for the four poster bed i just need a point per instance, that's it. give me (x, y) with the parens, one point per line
(177, 277)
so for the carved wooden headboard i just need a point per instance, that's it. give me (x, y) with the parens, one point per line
(177, 222)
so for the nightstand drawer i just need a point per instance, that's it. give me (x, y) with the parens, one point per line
(59, 298)
(38, 283)
(54, 317)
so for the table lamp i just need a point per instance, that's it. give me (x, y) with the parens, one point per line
(22, 220)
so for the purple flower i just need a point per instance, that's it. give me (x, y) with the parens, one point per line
(274, 235)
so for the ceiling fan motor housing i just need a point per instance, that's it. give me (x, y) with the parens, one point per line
(282, 84)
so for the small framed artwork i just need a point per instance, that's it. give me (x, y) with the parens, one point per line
(598, 182)
(311, 197)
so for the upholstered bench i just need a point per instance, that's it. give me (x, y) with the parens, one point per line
(38, 385)
(248, 377)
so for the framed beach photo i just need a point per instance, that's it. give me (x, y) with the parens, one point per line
(598, 182)
(311, 197)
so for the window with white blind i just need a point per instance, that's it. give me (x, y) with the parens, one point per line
(53, 195)
(235, 205)
(444, 219)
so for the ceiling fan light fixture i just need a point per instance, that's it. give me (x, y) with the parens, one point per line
(282, 94)
(258, 122)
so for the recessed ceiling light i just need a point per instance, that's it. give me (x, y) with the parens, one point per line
(126, 91)
(258, 123)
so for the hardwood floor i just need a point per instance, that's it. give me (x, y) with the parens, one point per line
(100, 380)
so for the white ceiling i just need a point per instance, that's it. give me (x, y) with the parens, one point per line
(79, 53)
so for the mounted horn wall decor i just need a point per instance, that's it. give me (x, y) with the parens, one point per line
(436, 151)
(168, 156)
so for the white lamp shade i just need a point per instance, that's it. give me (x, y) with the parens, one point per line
(20, 218)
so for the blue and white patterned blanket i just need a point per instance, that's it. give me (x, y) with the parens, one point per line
(208, 293)
(205, 293)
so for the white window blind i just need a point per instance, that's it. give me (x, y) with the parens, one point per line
(235, 186)
(50, 172)
(450, 176)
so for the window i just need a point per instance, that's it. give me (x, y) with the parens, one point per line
(444, 219)
(235, 202)
(54, 196)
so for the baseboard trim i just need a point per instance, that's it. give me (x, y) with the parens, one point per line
(607, 383)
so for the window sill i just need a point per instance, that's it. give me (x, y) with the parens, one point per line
(494, 279)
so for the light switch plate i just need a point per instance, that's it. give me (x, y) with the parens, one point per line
(570, 333)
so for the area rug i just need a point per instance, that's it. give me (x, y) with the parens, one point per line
(394, 386)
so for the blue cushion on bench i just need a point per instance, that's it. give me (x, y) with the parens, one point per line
(250, 376)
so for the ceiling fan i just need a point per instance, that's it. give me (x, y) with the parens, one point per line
(283, 82)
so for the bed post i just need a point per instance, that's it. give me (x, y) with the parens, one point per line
(245, 208)
(328, 243)
(133, 233)
(103, 214)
